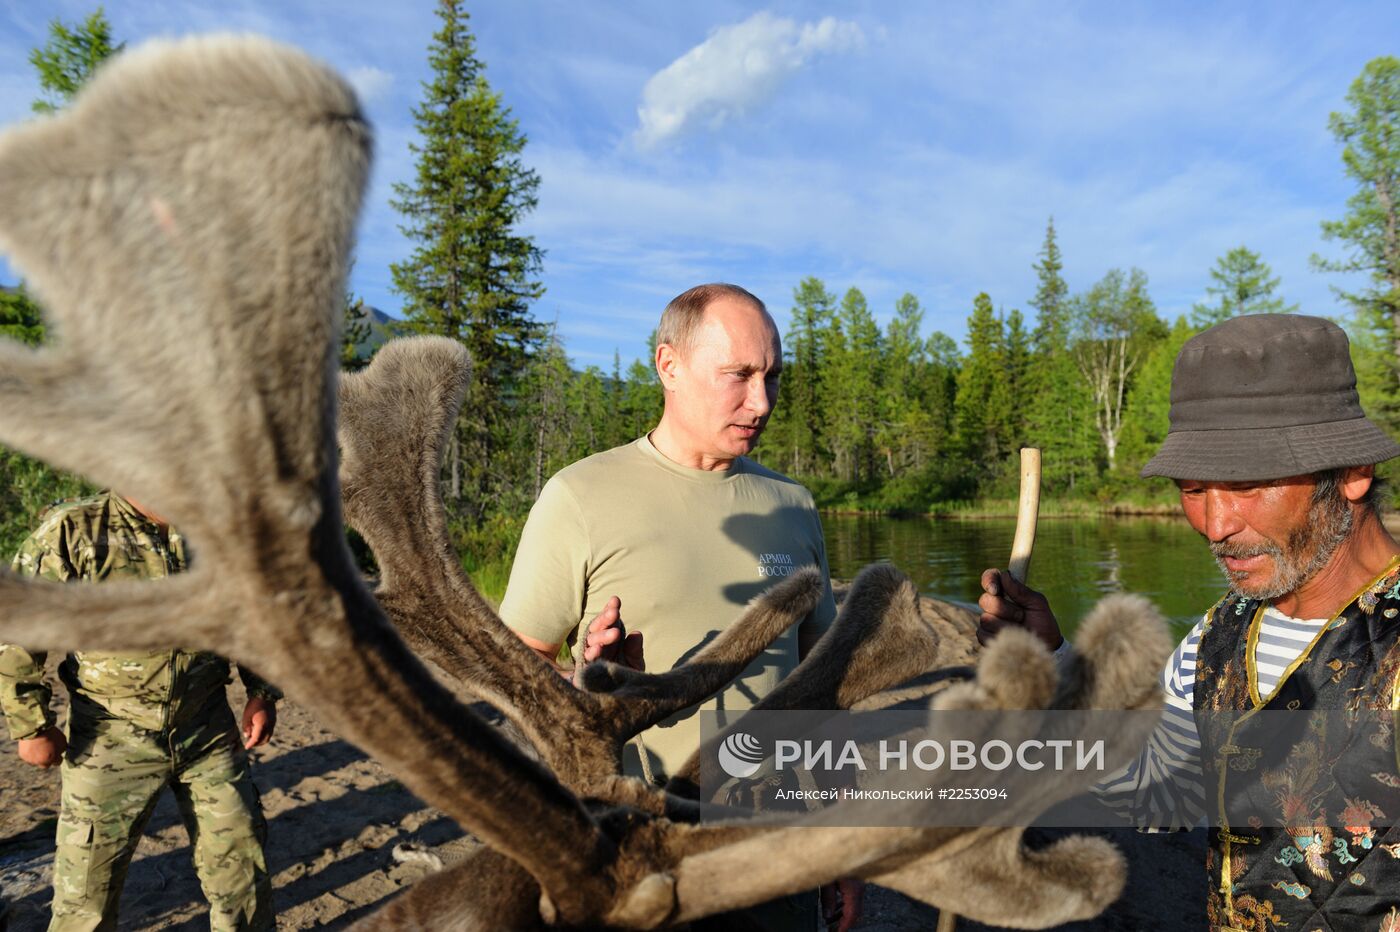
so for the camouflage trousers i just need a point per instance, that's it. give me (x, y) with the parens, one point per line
(112, 775)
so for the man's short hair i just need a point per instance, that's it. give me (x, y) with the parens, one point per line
(1329, 482)
(686, 311)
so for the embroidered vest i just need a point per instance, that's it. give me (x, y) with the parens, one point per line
(1330, 869)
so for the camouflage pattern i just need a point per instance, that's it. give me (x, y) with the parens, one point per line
(112, 775)
(138, 721)
(100, 538)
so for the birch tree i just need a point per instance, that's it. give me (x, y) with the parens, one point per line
(1115, 325)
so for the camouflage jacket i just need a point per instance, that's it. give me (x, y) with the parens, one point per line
(93, 539)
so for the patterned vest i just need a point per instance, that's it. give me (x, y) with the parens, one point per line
(1330, 869)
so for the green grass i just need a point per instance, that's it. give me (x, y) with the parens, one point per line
(490, 580)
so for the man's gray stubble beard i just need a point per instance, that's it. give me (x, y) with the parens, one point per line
(1328, 524)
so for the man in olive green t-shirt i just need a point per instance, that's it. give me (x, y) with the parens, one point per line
(679, 527)
(678, 530)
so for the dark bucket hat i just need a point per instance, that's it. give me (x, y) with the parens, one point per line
(1263, 397)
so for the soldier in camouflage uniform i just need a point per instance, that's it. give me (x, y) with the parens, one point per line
(137, 722)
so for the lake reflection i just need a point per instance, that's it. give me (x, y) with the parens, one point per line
(1076, 561)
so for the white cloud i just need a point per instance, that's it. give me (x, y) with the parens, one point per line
(369, 82)
(736, 68)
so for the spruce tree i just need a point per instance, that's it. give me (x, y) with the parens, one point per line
(1058, 408)
(549, 426)
(472, 276)
(796, 440)
(1017, 371)
(905, 437)
(1051, 293)
(982, 404)
(1370, 134)
(941, 388)
(853, 388)
(1241, 283)
(69, 58)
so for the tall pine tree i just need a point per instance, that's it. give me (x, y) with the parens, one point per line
(983, 404)
(796, 437)
(1241, 283)
(906, 437)
(853, 388)
(1370, 134)
(1057, 404)
(472, 276)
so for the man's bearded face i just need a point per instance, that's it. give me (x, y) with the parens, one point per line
(1304, 549)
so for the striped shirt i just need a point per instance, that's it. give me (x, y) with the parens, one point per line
(1162, 789)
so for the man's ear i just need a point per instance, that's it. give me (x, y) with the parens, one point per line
(1356, 482)
(667, 363)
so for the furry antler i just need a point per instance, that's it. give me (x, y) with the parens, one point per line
(207, 191)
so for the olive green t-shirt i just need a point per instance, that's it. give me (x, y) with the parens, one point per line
(684, 549)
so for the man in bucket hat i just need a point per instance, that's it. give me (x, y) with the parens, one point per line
(1275, 462)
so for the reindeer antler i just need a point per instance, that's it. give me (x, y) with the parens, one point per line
(207, 190)
(395, 419)
(186, 224)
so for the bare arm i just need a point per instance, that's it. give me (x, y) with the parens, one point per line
(607, 639)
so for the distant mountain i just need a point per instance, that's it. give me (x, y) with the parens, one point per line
(382, 328)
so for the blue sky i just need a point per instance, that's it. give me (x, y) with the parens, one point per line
(891, 146)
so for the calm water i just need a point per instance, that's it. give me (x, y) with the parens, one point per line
(1075, 561)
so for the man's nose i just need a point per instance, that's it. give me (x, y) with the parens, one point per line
(1222, 518)
(758, 399)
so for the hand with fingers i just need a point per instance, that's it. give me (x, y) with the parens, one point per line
(1008, 603)
(259, 721)
(607, 639)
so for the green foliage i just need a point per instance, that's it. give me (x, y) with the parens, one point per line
(982, 410)
(1051, 294)
(27, 487)
(1149, 400)
(1057, 406)
(1370, 137)
(1114, 326)
(796, 438)
(354, 331)
(69, 58)
(853, 384)
(1242, 283)
(19, 317)
(472, 276)
(488, 548)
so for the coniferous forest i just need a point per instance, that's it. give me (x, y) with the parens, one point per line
(889, 418)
